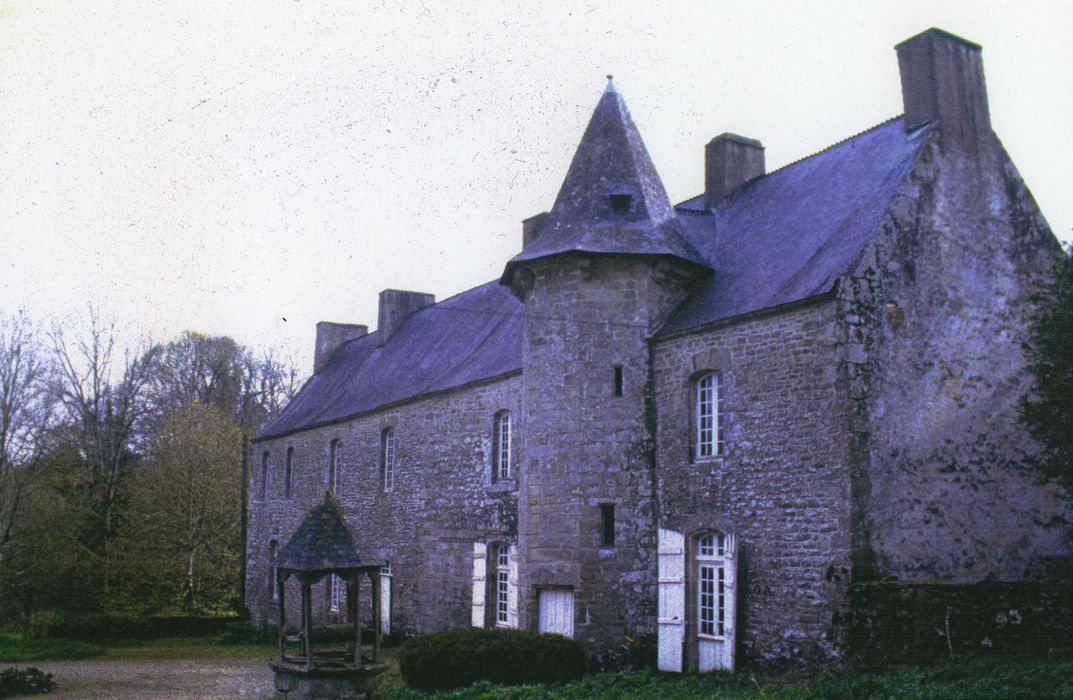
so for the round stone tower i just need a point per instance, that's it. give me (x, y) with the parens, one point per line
(597, 275)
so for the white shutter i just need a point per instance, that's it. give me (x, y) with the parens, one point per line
(730, 608)
(512, 587)
(480, 567)
(671, 620)
(385, 603)
(556, 611)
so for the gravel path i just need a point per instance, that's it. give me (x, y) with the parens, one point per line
(184, 680)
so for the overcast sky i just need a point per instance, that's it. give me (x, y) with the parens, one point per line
(252, 168)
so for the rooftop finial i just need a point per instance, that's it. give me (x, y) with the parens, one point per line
(610, 85)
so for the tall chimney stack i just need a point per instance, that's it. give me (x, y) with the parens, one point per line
(729, 161)
(330, 336)
(943, 78)
(396, 305)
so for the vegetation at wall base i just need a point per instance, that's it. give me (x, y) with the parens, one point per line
(16, 649)
(458, 658)
(24, 681)
(960, 678)
(247, 632)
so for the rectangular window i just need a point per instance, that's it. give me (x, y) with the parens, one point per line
(708, 405)
(387, 459)
(618, 380)
(711, 599)
(264, 475)
(502, 562)
(607, 517)
(502, 447)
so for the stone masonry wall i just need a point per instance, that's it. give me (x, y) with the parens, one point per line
(782, 485)
(584, 446)
(937, 312)
(443, 501)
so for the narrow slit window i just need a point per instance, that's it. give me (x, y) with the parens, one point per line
(607, 518)
(387, 460)
(618, 380)
(287, 474)
(264, 475)
(333, 466)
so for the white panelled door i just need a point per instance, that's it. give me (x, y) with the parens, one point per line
(715, 571)
(671, 599)
(557, 611)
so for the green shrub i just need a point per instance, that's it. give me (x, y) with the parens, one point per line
(457, 658)
(112, 627)
(24, 681)
(247, 632)
(15, 649)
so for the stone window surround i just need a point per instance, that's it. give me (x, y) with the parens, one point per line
(334, 448)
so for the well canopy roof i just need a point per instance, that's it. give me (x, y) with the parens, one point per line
(323, 542)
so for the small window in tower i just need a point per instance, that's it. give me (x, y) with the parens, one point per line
(607, 515)
(618, 380)
(620, 203)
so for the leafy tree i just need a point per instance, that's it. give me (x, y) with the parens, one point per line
(1048, 411)
(179, 544)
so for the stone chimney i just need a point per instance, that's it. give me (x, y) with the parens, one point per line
(729, 161)
(396, 305)
(330, 336)
(531, 227)
(943, 78)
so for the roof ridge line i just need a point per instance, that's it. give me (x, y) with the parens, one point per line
(816, 153)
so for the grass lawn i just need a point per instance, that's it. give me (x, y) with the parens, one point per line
(16, 649)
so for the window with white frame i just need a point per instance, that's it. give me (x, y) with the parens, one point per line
(707, 409)
(501, 447)
(338, 593)
(333, 465)
(502, 569)
(387, 459)
(711, 584)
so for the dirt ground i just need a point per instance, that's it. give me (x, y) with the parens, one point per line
(184, 680)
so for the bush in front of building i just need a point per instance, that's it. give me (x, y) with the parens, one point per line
(24, 681)
(458, 658)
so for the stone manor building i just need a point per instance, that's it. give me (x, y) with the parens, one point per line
(697, 429)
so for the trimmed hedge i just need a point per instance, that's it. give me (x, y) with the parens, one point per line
(247, 632)
(458, 658)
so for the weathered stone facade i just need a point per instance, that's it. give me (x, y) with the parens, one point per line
(856, 320)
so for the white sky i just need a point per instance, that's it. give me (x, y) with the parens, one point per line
(223, 167)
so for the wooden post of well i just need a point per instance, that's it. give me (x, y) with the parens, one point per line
(307, 608)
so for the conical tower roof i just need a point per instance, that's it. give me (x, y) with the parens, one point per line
(612, 200)
(323, 542)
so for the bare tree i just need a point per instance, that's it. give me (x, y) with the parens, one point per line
(100, 403)
(24, 416)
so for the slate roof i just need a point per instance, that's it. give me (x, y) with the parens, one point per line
(610, 160)
(783, 237)
(322, 542)
(790, 234)
(474, 336)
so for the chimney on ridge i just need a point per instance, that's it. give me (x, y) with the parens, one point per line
(943, 78)
(330, 336)
(396, 305)
(531, 227)
(729, 161)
